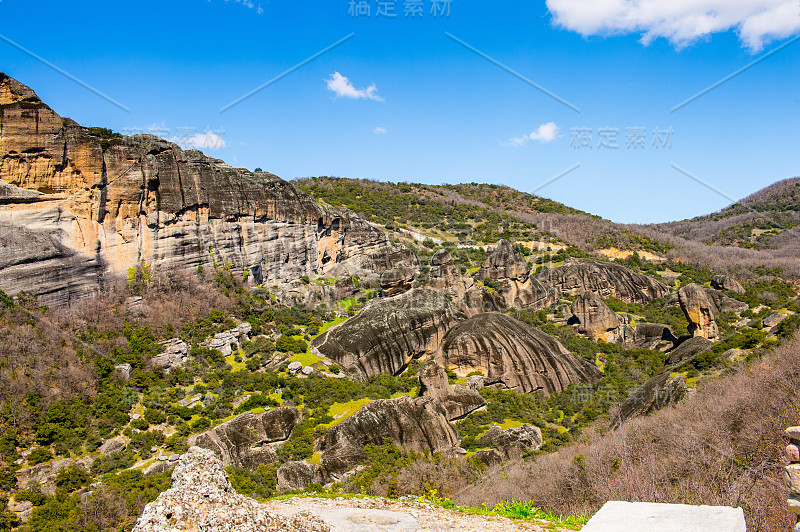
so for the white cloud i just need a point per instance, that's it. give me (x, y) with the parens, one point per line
(201, 141)
(545, 133)
(680, 21)
(342, 87)
(379, 130)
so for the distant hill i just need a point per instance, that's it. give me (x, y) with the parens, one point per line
(750, 238)
(763, 220)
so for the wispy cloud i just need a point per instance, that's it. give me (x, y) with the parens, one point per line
(544, 134)
(379, 130)
(680, 21)
(343, 88)
(201, 141)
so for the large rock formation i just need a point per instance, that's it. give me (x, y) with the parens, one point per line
(726, 282)
(723, 303)
(388, 333)
(245, 440)
(512, 354)
(202, 498)
(699, 311)
(606, 279)
(480, 299)
(75, 208)
(688, 349)
(44, 475)
(592, 317)
(419, 424)
(458, 400)
(505, 262)
(445, 277)
(529, 293)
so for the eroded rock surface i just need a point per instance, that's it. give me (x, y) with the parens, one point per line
(513, 355)
(505, 262)
(606, 279)
(445, 277)
(245, 440)
(480, 299)
(415, 424)
(592, 317)
(699, 311)
(726, 282)
(514, 442)
(76, 208)
(658, 392)
(388, 333)
(458, 400)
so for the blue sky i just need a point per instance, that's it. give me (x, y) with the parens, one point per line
(418, 105)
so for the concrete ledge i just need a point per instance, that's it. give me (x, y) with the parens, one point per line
(616, 516)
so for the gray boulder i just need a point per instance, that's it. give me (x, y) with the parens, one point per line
(658, 392)
(294, 475)
(513, 443)
(688, 349)
(726, 282)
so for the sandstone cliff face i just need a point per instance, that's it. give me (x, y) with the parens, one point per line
(606, 279)
(73, 211)
(244, 440)
(388, 333)
(699, 311)
(512, 354)
(418, 424)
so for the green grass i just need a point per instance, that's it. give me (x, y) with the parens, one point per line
(307, 359)
(328, 324)
(342, 411)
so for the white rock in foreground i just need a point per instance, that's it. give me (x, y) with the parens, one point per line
(202, 498)
(619, 515)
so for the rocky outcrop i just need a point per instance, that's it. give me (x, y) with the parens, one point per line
(174, 354)
(445, 277)
(512, 355)
(245, 440)
(458, 400)
(487, 457)
(388, 333)
(202, 498)
(689, 348)
(593, 318)
(419, 424)
(44, 475)
(480, 299)
(606, 279)
(76, 208)
(726, 282)
(699, 311)
(529, 293)
(654, 336)
(659, 391)
(723, 303)
(295, 475)
(514, 442)
(505, 262)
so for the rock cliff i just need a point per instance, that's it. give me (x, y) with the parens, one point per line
(76, 208)
(513, 355)
(458, 400)
(700, 311)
